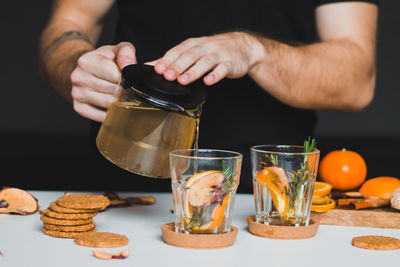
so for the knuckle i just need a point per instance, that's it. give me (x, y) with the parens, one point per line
(176, 68)
(76, 93)
(115, 76)
(126, 51)
(208, 60)
(108, 101)
(216, 73)
(103, 102)
(189, 41)
(75, 76)
(171, 54)
(190, 55)
(127, 44)
(78, 107)
(225, 67)
(104, 48)
(193, 73)
(84, 60)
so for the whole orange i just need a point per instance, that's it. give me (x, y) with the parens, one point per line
(382, 186)
(343, 169)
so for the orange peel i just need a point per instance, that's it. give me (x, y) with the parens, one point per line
(331, 204)
(320, 200)
(278, 198)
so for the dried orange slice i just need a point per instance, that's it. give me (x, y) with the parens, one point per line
(274, 174)
(201, 187)
(322, 189)
(325, 207)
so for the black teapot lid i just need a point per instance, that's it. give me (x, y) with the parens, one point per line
(156, 90)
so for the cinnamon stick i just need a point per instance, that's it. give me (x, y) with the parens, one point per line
(366, 203)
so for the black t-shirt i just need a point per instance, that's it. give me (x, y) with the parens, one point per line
(238, 113)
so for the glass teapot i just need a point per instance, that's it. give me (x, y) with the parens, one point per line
(151, 117)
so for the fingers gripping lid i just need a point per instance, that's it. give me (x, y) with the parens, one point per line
(155, 89)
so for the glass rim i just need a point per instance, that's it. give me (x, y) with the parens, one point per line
(264, 149)
(234, 155)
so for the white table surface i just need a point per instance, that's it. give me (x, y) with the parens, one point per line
(23, 243)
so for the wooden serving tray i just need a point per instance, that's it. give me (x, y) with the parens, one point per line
(379, 217)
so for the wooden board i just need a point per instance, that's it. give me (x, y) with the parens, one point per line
(380, 218)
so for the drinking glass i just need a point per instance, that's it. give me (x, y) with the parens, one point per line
(283, 182)
(204, 184)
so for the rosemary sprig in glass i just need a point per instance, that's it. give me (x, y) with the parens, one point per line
(301, 178)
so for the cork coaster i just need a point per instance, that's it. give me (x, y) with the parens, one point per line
(198, 241)
(83, 201)
(282, 232)
(72, 228)
(63, 234)
(376, 242)
(54, 221)
(54, 207)
(69, 216)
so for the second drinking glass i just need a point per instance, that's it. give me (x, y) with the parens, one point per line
(283, 179)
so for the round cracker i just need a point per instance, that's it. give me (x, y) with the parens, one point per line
(53, 221)
(73, 228)
(54, 207)
(101, 240)
(83, 201)
(69, 216)
(63, 234)
(376, 242)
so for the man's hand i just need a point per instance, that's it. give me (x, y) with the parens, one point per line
(336, 73)
(223, 55)
(96, 77)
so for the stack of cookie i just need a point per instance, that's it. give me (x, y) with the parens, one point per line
(72, 214)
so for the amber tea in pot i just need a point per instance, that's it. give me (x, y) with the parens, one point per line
(151, 118)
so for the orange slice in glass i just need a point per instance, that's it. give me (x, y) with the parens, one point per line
(201, 186)
(274, 174)
(269, 176)
(278, 198)
(199, 194)
(217, 215)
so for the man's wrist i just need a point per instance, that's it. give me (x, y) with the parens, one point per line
(57, 64)
(255, 48)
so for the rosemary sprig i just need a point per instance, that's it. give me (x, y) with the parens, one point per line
(199, 217)
(273, 159)
(229, 176)
(309, 146)
(301, 177)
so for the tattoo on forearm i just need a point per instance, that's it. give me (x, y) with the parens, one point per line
(70, 35)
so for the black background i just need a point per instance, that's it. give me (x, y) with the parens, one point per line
(46, 145)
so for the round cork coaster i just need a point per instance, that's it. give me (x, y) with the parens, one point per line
(282, 231)
(376, 242)
(199, 241)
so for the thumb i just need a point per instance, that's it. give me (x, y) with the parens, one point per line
(125, 54)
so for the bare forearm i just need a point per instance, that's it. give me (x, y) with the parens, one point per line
(60, 48)
(327, 75)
